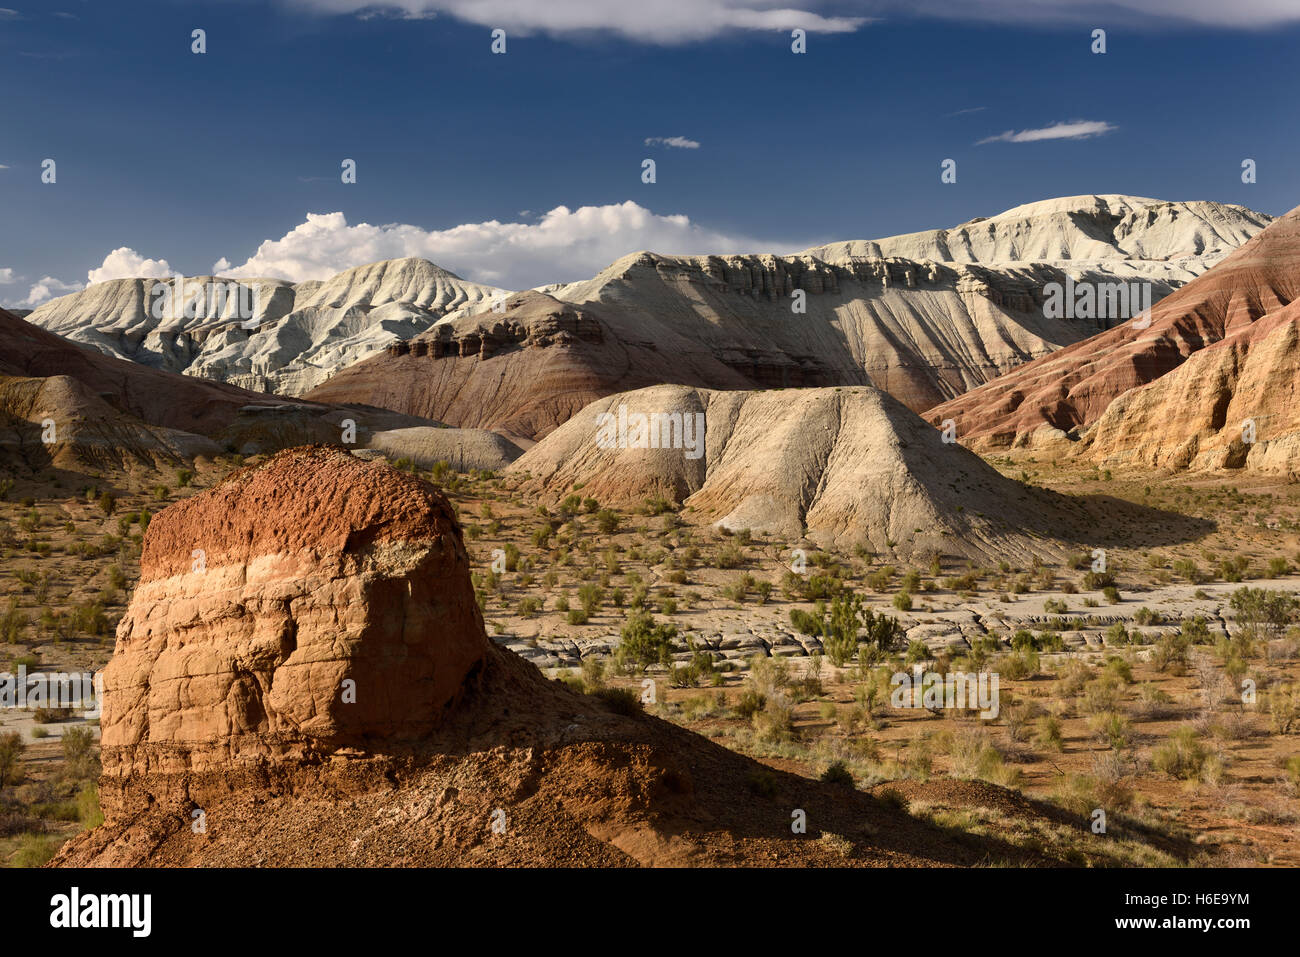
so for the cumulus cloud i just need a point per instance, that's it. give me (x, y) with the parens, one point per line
(646, 21)
(7, 276)
(48, 288)
(560, 246)
(126, 263)
(1073, 130)
(677, 142)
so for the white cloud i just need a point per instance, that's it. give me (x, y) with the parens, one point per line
(1238, 15)
(560, 246)
(126, 263)
(677, 142)
(647, 21)
(7, 276)
(678, 21)
(1073, 130)
(47, 288)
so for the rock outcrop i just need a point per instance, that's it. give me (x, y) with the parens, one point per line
(294, 610)
(1058, 396)
(231, 736)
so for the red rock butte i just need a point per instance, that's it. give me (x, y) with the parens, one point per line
(310, 603)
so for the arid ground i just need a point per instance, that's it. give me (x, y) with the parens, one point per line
(1155, 689)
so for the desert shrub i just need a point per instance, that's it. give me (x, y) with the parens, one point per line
(1171, 651)
(11, 755)
(750, 703)
(1023, 639)
(903, 601)
(12, 622)
(88, 809)
(1048, 733)
(1182, 756)
(1283, 703)
(1119, 668)
(79, 757)
(775, 723)
(916, 651)
(1153, 703)
(838, 773)
(1263, 609)
(590, 597)
(1145, 616)
(1020, 665)
(1234, 569)
(879, 580)
(729, 556)
(1101, 695)
(1112, 729)
(607, 521)
(576, 616)
(1291, 766)
(35, 850)
(645, 642)
(1093, 581)
(620, 700)
(974, 756)
(807, 624)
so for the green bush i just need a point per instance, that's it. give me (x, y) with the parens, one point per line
(644, 642)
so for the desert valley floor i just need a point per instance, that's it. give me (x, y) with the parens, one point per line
(1119, 690)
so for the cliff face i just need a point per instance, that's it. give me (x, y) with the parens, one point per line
(918, 330)
(1072, 388)
(1233, 404)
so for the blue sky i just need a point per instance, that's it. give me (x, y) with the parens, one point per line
(179, 161)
